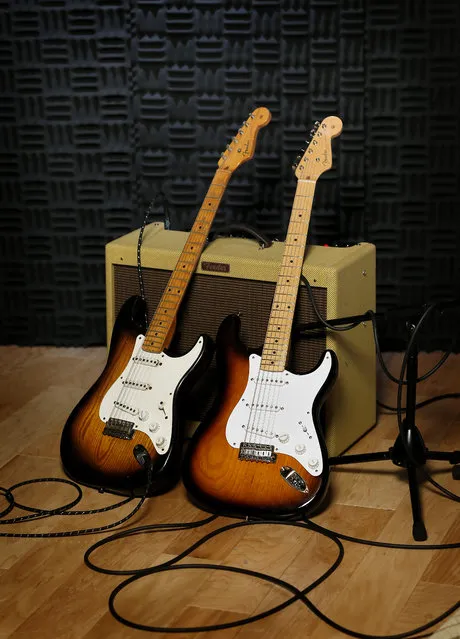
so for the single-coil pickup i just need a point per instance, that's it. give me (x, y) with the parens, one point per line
(260, 431)
(126, 408)
(147, 361)
(263, 408)
(269, 382)
(137, 385)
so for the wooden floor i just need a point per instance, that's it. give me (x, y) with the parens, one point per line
(46, 590)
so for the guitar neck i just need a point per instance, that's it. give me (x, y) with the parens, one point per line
(162, 323)
(278, 336)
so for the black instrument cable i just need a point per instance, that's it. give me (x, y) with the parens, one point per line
(401, 382)
(301, 595)
(308, 524)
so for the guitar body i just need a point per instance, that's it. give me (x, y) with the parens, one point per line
(135, 402)
(260, 452)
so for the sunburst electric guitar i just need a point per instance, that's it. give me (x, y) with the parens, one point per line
(132, 414)
(260, 451)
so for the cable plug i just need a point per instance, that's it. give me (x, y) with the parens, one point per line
(141, 454)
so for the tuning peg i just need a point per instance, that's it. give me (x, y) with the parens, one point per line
(294, 166)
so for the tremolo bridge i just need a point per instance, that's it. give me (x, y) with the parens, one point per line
(257, 452)
(119, 428)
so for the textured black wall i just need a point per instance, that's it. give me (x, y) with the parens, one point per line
(105, 102)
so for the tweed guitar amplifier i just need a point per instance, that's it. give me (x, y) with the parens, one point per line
(235, 275)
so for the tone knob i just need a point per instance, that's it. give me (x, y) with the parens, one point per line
(143, 415)
(160, 441)
(313, 462)
(284, 438)
(154, 427)
(300, 449)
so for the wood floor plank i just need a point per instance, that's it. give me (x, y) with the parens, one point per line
(47, 591)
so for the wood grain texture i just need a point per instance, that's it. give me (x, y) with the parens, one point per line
(219, 480)
(47, 591)
(96, 459)
(88, 455)
(109, 455)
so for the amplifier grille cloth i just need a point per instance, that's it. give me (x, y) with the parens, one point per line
(209, 299)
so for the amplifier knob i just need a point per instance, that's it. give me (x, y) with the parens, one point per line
(143, 415)
(154, 427)
(284, 438)
(300, 449)
(160, 441)
(313, 462)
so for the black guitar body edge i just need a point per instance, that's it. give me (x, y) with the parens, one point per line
(228, 340)
(166, 471)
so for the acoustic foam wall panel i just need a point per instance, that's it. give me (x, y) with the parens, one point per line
(106, 102)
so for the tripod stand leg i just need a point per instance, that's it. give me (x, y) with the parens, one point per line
(418, 527)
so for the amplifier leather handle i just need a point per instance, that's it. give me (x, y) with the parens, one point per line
(264, 242)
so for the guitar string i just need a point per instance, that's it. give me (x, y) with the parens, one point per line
(129, 393)
(141, 368)
(221, 172)
(270, 394)
(138, 371)
(270, 390)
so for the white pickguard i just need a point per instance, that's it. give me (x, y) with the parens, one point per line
(144, 392)
(276, 409)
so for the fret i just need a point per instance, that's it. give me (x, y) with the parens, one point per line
(166, 312)
(279, 329)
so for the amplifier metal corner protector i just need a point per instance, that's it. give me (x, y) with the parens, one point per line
(235, 275)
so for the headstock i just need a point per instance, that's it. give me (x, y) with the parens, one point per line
(241, 148)
(317, 157)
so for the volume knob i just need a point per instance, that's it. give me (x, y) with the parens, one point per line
(284, 438)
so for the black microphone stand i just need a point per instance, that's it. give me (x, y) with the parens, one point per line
(409, 450)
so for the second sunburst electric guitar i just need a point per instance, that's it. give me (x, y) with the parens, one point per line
(261, 452)
(131, 418)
